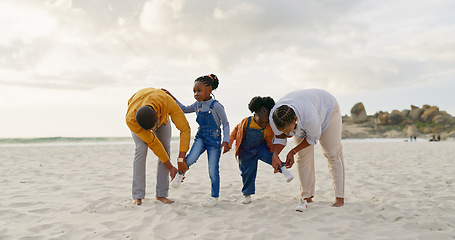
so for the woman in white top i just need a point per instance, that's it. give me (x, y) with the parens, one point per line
(310, 115)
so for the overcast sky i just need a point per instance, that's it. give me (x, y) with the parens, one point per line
(67, 68)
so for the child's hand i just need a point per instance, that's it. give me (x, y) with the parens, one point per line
(166, 91)
(226, 147)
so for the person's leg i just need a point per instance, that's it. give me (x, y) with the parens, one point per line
(163, 133)
(331, 145)
(197, 149)
(213, 155)
(265, 155)
(305, 168)
(140, 155)
(248, 164)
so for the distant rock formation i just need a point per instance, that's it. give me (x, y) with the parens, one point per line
(358, 113)
(429, 114)
(395, 118)
(425, 121)
(415, 113)
(382, 118)
(411, 131)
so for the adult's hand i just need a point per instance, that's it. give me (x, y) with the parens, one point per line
(276, 163)
(183, 167)
(172, 172)
(289, 159)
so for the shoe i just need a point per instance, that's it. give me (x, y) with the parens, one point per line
(303, 205)
(177, 180)
(247, 200)
(211, 202)
(288, 175)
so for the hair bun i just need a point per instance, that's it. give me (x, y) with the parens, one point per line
(215, 81)
(258, 103)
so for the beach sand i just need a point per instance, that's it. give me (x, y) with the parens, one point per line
(394, 190)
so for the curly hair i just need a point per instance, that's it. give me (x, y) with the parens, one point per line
(282, 116)
(209, 80)
(261, 104)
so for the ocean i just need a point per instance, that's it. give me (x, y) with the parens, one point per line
(75, 141)
(69, 141)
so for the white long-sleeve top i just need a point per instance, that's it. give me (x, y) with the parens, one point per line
(313, 109)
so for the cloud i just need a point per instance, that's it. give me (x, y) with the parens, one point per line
(94, 54)
(23, 22)
(220, 33)
(341, 46)
(85, 79)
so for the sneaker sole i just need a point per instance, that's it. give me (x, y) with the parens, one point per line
(301, 210)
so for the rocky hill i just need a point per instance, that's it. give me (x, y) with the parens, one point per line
(423, 122)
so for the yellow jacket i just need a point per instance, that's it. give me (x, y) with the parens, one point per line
(165, 106)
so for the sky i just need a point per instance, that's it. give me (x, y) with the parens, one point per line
(68, 68)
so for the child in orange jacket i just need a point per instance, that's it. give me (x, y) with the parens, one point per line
(253, 136)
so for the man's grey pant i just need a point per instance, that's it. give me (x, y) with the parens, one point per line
(162, 174)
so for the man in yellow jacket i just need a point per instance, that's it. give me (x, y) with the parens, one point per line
(148, 119)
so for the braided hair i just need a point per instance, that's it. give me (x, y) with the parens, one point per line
(282, 116)
(261, 104)
(210, 80)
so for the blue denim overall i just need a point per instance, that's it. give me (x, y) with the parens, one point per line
(252, 148)
(208, 138)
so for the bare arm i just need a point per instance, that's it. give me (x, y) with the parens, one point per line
(276, 161)
(290, 156)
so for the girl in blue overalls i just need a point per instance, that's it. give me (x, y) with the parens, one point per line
(210, 117)
(253, 136)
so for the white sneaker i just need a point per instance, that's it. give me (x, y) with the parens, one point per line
(211, 202)
(247, 200)
(177, 180)
(288, 175)
(303, 205)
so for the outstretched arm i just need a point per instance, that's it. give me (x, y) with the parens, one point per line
(276, 161)
(186, 109)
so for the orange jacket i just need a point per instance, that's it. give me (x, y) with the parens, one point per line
(239, 131)
(164, 106)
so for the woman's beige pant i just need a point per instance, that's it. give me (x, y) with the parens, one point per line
(331, 146)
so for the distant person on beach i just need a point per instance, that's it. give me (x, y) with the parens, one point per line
(253, 137)
(148, 119)
(310, 116)
(210, 117)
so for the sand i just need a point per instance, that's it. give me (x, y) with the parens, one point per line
(394, 190)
